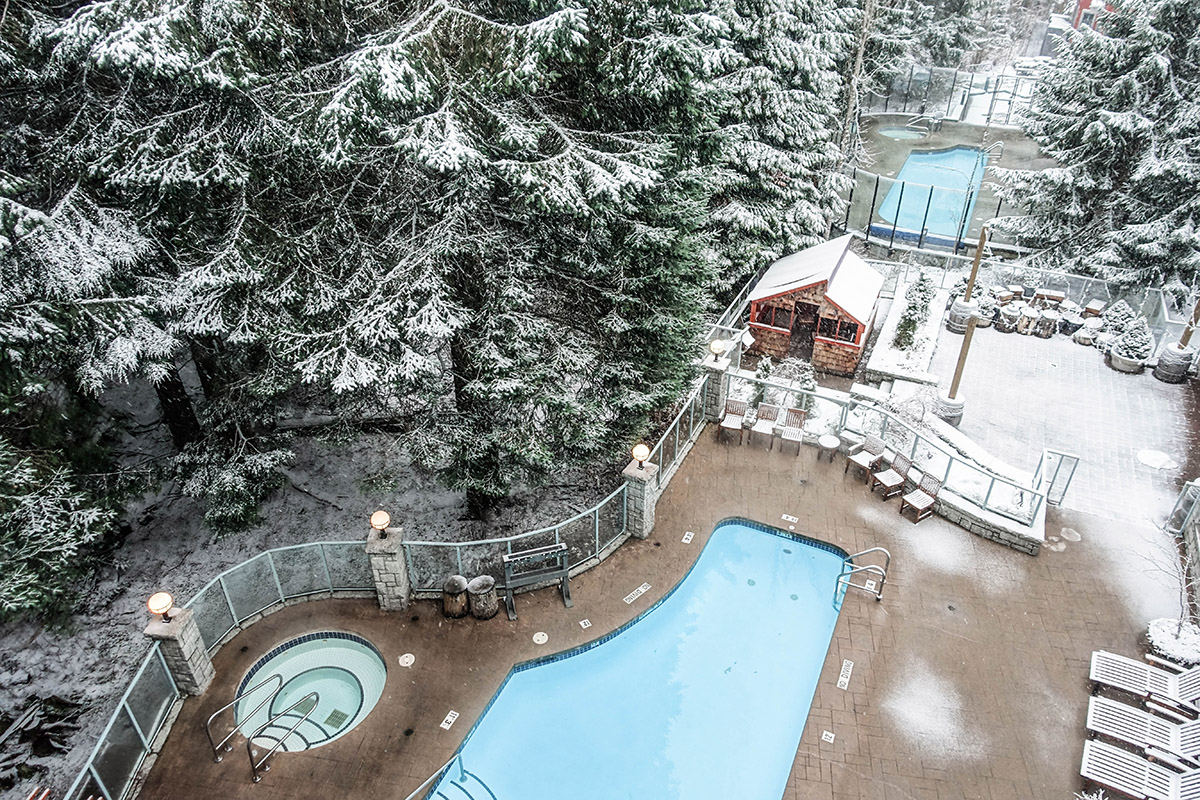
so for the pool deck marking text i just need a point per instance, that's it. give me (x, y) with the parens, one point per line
(844, 677)
(827, 736)
(636, 593)
(449, 720)
(789, 518)
(687, 537)
(585, 623)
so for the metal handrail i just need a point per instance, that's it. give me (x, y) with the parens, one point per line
(225, 742)
(874, 569)
(439, 773)
(278, 741)
(887, 557)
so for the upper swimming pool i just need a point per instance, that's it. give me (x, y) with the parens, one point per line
(704, 696)
(937, 185)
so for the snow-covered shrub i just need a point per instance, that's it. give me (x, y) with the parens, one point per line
(1136, 343)
(800, 373)
(988, 305)
(231, 489)
(1117, 317)
(762, 373)
(1175, 640)
(46, 525)
(1176, 293)
(916, 309)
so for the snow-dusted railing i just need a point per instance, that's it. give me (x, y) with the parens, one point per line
(673, 445)
(275, 576)
(127, 738)
(236, 595)
(969, 480)
(589, 536)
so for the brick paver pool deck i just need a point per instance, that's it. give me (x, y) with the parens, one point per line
(969, 679)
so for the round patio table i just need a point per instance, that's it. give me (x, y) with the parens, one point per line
(829, 445)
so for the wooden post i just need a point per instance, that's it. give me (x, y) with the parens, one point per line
(975, 264)
(962, 356)
(1191, 326)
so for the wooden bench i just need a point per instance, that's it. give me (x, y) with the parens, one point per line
(531, 567)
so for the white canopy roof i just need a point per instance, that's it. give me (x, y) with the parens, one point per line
(853, 286)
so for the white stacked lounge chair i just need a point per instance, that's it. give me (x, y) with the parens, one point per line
(1180, 739)
(1178, 688)
(1131, 774)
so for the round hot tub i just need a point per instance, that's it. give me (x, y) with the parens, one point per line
(320, 684)
(901, 132)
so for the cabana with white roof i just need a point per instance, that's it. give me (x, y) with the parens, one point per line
(825, 289)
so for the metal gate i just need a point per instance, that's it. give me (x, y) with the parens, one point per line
(1054, 474)
(1185, 508)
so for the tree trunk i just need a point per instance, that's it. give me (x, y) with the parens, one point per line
(208, 367)
(856, 71)
(177, 410)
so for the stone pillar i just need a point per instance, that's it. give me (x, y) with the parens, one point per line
(640, 497)
(183, 650)
(385, 549)
(715, 391)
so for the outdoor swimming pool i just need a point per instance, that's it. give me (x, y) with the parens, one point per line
(704, 696)
(937, 187)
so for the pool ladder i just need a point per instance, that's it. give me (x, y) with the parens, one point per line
(224, 745)
(460, 788)
(850, 569)
(260, 766)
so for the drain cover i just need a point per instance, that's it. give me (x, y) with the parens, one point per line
(336, 719)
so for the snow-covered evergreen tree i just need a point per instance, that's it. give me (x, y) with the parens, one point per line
(1120, 113)
(778, 189)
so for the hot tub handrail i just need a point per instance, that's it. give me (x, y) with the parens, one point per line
(439, 773)
(216, 748)
(279, 740)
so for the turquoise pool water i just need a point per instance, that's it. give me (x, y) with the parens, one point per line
(705, 696)
(951, 174)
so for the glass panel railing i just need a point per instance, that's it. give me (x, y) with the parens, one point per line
(252, 587)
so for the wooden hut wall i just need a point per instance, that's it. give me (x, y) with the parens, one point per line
(776, 339)
(831, 353)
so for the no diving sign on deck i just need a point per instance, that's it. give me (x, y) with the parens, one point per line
(844, 677)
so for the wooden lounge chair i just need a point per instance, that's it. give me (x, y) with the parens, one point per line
(765, 422)
(731, 420)
(1131, 774)
(921, 498)
(1175, 687)
(1151, 732)
(892, 479)
(793, 428)
(866, 455)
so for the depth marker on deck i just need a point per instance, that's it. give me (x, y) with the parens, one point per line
(449, 720)
(585, 623)
(636, 593)
(844, 678)
(790, 518)
(687, 537)
(827, 736)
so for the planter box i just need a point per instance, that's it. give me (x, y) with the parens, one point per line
(1122, 364)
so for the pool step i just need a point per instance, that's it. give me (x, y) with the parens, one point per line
(306, 736)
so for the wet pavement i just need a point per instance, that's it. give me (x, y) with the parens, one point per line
(1024, 393)
(969, 678)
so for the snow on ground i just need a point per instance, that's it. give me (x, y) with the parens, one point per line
(930, 710)
(341, 483)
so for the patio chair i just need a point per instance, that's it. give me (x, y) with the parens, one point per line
(866, 455)
(1176, 687)
(1150, 732)
(922, 498)
(793, 428)
(731, 420)
(892, 479)
(1131, 774)
(765, 422)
